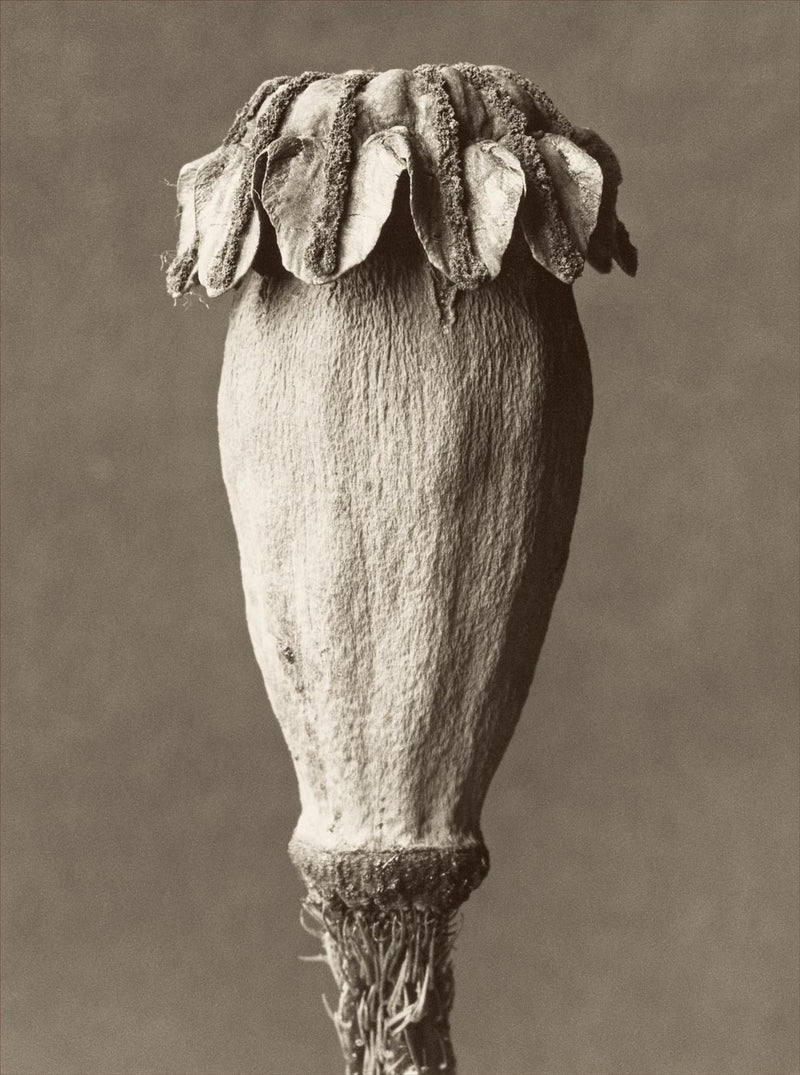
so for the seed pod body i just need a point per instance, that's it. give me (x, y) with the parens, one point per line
(403, 479)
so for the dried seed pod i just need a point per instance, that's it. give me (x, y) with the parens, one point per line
(403, 414)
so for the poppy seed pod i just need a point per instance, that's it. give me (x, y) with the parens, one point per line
(403, 414)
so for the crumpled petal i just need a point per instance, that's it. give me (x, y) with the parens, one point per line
(227, 223)
(609, 241)
(378, 164)
(181, 273)
(578, 181)
(546, 241)
(494, 183)
(543, 224)
(438, 197)
(291, 194)
(493, 186)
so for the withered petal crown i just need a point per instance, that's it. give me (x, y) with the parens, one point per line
(313, 161)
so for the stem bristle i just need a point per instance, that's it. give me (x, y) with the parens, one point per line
(392, 968)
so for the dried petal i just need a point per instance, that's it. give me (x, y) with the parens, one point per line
(609, 241)
(181, 273)
(376, 170)
(578, 182)
(438, 197)
(228, 226)
(495, 182)
(543, 223)
(292, 193)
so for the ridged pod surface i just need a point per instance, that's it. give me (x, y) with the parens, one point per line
(403, 414)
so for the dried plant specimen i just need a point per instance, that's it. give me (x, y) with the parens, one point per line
(403, 414)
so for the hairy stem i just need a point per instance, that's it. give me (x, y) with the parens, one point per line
(392, 968)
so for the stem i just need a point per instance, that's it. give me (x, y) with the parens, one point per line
(392, 968)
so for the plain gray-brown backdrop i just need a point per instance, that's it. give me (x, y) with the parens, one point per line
(641, 912)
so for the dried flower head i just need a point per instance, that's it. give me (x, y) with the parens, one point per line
(311, 165)
(403, 414)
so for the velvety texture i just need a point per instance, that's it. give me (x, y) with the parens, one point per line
(403, 539)
(641, 911)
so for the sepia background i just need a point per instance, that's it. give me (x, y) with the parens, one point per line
(641, 912)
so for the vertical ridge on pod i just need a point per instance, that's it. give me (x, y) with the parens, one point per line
(268, 124)
(482, 80)
(467, 271)
(321, 254)
(239, 127)
(542, 101)
(568, 258)
(223, 268)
